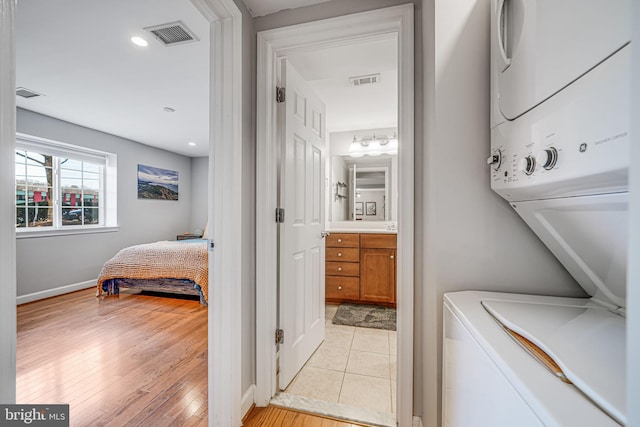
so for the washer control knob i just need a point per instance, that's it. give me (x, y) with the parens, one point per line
(527, 164)
(495, 160)
(547, 158)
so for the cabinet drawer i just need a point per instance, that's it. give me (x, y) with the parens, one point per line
(343, 240)
(379, 241)
(342, 288)
(342, 254)
(334, 268)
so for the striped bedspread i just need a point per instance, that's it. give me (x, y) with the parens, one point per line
(160, 260)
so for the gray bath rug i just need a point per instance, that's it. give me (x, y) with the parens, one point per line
(366, 316)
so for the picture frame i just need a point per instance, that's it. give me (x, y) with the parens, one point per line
(359, 208)
(157, 183)
(371, 208)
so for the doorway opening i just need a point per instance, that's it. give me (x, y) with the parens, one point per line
(299, 45)
(224, 200)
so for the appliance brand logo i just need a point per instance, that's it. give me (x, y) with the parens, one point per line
(583, 147)
(34, 415)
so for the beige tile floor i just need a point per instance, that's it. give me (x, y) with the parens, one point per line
(354, 366)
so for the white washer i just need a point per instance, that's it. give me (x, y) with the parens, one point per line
(560, 157)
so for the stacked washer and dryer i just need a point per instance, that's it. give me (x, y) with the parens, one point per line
(559, 155)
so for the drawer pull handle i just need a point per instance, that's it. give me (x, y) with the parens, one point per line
(339, 240)
(339, 288)
(339, 253)
(391, 257)
(339, 268)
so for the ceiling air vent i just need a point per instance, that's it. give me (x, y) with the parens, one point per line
(26, 93)
(171, 34)
(365, 80)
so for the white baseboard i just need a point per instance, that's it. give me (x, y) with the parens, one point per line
(22, 299)
(417, 422)
(247, 400)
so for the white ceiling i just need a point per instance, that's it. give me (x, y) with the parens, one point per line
(354, 107)
(78, 53)
(265, 7)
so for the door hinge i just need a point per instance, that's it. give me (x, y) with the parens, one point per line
(279, 336)
(279, 215)
(280, 94)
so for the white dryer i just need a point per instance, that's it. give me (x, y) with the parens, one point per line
(560, 157)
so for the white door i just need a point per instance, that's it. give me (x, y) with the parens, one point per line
(302, 122)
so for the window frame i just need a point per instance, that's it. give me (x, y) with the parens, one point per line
(107, 209)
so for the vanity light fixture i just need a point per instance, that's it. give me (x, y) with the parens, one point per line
(374, 146)
(139, 41)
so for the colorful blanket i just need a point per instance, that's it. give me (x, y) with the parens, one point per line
(160, 260)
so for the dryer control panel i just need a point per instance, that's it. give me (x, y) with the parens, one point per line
(576, 143)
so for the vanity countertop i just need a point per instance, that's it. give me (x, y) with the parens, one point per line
(362, 230)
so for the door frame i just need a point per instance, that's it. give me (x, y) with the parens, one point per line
(272, 44)
(224, 201)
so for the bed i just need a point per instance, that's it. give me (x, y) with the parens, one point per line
(178, 267)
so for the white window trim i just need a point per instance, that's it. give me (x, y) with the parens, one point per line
(108, 208)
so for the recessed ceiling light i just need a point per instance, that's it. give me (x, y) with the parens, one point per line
(193, 144)
(139, 41)
(168, 110)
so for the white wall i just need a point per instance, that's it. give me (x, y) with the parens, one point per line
(199, 192)
(472, 238)
(46, 263)
(7, 203)
(633, 278)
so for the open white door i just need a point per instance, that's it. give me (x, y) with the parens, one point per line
(302, 121)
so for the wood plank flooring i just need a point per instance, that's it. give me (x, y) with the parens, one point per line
(125, 360)
(273, 416)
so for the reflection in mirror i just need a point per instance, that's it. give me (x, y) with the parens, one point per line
(362, 173)
(362, 188)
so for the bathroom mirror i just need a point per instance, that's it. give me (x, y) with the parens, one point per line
(363, 188)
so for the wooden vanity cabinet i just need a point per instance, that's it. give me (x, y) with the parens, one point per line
(361, 268)
(342, 267)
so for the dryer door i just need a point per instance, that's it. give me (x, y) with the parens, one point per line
(541, 46)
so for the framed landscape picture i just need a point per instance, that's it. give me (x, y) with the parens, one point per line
(157, 183)
(359, 208)
(371, 208)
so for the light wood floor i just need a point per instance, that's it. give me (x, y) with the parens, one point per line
(273, 416)
(128, 360)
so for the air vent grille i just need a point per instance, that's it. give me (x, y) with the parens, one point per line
(365, 80)
(26, 93)
(172, 33)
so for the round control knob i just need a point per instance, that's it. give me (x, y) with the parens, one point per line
(527, 164)
(547, 158)
(495, 161)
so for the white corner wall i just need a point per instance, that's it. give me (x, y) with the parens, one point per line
(199, 192)
(45, 264)
(471, 239)
(7, 205)
(633, 278)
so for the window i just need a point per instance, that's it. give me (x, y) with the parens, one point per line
(62, 187)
